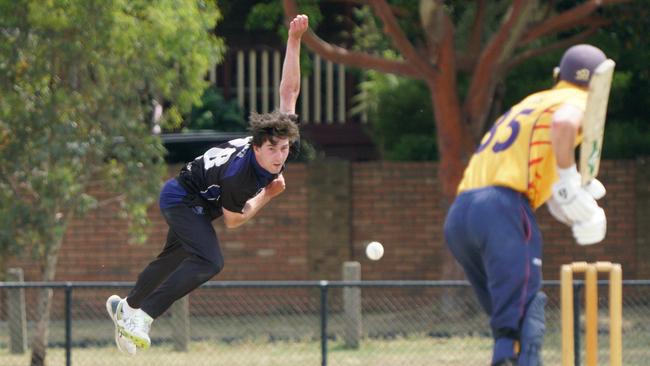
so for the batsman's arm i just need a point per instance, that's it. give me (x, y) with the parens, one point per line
(564, 129)
(290, 82)
(575, 202)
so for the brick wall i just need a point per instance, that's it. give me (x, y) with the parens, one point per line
(642, 222)
(332, 209)
(398, 204)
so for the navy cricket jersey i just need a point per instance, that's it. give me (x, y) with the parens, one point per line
(225, 176)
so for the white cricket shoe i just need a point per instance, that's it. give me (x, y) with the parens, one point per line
(114, 308)
(136, 328)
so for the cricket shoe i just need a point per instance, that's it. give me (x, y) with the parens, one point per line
(114, 308)
(136, 328)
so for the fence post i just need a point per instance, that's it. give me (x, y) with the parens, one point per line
(68, 324)
(352, 305)
(180, 320)
(16, 312)
(323, 322)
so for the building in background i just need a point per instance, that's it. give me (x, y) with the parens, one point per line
(250, 74)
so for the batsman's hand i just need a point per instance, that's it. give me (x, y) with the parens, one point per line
(595, 188)
(556, 211)
(591, 231)
(574, 201)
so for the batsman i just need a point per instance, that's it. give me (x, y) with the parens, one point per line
(525, 160)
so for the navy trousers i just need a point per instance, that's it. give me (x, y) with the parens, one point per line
(493, 234)
(190, 257)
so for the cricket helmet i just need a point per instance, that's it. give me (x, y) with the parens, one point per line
(579, 62)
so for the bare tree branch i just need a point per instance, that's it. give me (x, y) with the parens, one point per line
(399, 11)
(359, 59)
(565, 20)
(485, 74)
(356, 59)
(550, 5)
(465, 61)
(436, 25)
(477, 29)
(399, 39)
(565, 43)
(494, 48)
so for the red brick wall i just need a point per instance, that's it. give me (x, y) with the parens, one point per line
(642, 205)
(397, 204)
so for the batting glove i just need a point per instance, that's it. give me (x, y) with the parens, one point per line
(595, 188)
(574, 201)
(556, 211)
(591, 231)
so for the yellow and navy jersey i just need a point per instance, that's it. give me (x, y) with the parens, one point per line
(517, 151)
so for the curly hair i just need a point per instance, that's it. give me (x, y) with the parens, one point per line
(269, 126)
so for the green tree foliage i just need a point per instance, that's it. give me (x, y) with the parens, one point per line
(215, 113)
(627, 131)
(269, 15)
(388, 99)
(77, 79)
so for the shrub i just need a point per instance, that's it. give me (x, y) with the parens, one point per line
(215, 113)
(401, 118)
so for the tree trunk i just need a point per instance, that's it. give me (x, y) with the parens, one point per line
(450, 170)
(455, 146)
(39, 343)
(454, 142)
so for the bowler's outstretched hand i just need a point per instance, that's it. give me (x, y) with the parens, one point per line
(298, 26)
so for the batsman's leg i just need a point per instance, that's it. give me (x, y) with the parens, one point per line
(532, 332)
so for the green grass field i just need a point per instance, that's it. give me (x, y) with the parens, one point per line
(396, 331)
(412, 351)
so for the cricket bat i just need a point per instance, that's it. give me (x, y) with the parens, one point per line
(593, 123)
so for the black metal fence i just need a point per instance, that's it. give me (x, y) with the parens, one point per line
(298, 322)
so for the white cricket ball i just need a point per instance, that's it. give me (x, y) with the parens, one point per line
(374, 250)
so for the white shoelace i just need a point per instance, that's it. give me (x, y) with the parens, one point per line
(137, 323)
